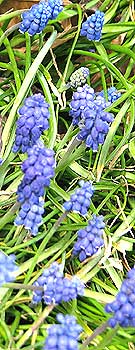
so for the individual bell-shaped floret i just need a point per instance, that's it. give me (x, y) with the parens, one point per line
(92, 27)
(90, 239)
(33, 120)
(80, 201)
(123, 307)
(8, 268)
(79, 77)
(63, 336)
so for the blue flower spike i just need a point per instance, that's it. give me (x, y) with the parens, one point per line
(92, 27)
(56, 287)
(81, 98)
(79, 77)
(90, 239)
(80, 201)
(8, 268)
(56, 7)
(123, 307)
(36, 18)
(38, 170)
(63, 336)
(33, 120)
(94, 123)
(113, 94)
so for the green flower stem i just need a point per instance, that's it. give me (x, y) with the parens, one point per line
(97, 331)
(25, 86)
(76, 6)
(28, 52)
(22, 286)
(63, 162)
(34, 326)
(41, 41)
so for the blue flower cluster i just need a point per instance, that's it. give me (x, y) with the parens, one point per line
(8, 268)
(90, 238)
(123, 307)
(92, 27)
(38, 169)
(56, 287)
(56, 7)
(80, 201)
(113, 94)
(36, 18)
(34, 115)
(94, 124)
(79, 77)
(63, 336)
(82, 98)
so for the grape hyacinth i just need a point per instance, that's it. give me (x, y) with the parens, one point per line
(81, 99)
(56, 287)
(79, 77)
(36, 18)
(56, 7)
(113, 94)
(33, 120)
(8, 268)
(80, 201)
(38, 170)
(92, 27)
(94, 124)
(90, 238)
(63, 336)
(123, 307)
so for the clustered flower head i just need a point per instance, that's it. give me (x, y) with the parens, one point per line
(36, 18)
(80, 201)
(38, 170)
(63, 336)
(94, 124)
(113, 94)
(56, 7)
(82, 98)
(8, 268)
(92, 27)
(56, 287)
(90, 239)
(88, 112)
(33, 120)
(79, 77)
(123, 307)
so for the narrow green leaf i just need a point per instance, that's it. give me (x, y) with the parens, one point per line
(25, 86)
(109, 137)
(132, 147)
